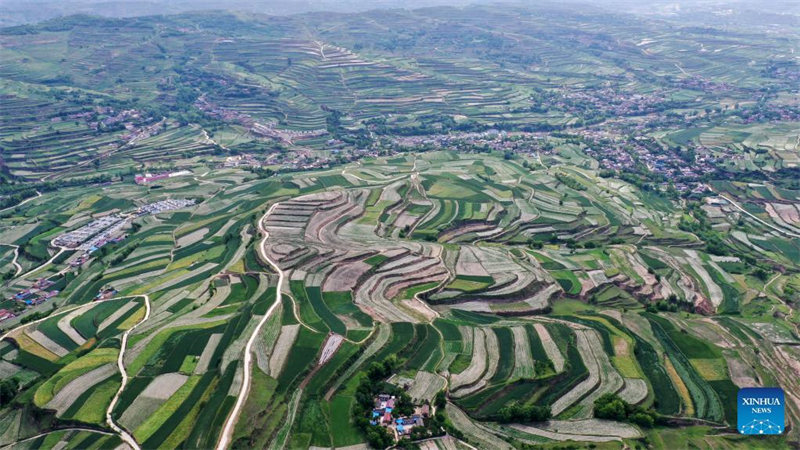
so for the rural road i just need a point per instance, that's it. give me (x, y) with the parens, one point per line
(38, 194)
(779, 230)
(36, 269)
(14, 262)
(230, 424)
(126, 437)
(37, 321)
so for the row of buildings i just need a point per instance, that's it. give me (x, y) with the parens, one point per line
(100, 231)
(90, 233)
(37, 294)
(164, 205)
(147, 178)
(6, 314)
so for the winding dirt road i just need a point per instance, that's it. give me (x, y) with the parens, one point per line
(126, 437)
(14, 262)
(40, 267)
(38, 194)
(227, 432)
(758, 219)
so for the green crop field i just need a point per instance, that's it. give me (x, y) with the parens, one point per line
(239, 230)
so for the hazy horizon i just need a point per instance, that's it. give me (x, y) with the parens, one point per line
(19, 12)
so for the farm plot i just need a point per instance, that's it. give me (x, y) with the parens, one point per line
(706, 401)
(483, 363)
(523, 359)
(475, 431)
(510, 283)
(587, 343)
(586, 430)
(66, 375)
(282, 348)
(425, 386)
(550, 347)
(157, 392)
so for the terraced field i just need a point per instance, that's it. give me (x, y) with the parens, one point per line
(461, 207)
(289, 81)
(466, 307)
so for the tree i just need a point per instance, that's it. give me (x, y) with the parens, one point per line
(642, 419)
(523, 413)
(8, 390)
(440, 400)
(379, 437)
(609, 406)
(404, 405)
(761, 274)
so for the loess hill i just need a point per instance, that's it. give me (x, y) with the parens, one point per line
(532, 227)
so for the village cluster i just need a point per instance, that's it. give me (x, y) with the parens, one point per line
(88, 239)
(268, 129)
(383, 414)
(301, 160)
(614, 150)
(37, 294)
(136, 125)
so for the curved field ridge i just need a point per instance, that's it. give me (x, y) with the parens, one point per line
(550, 347)
(68, 394)
(586, 430)
(474, 430)
(477, 366)
(584, 340)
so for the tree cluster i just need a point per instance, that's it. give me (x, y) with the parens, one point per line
(672, 304)
(8, 390)
(523, 413)
(610, 406)
(372, 385)
(702, 228)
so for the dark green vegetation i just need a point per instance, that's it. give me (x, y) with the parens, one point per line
(500, 215)
(611, 407)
